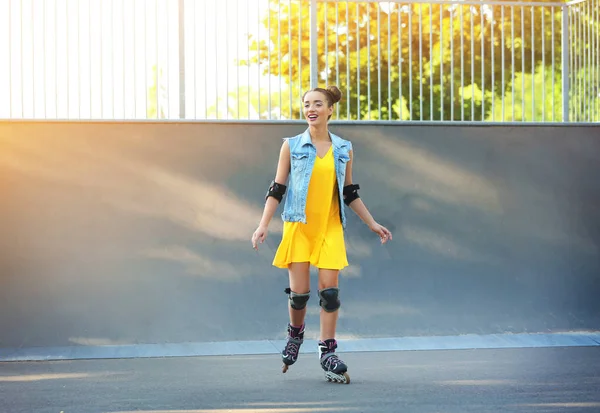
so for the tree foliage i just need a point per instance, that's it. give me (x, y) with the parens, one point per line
(416, 61)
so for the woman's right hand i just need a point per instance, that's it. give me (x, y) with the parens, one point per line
(259, 236)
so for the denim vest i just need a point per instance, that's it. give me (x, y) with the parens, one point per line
(302, 159)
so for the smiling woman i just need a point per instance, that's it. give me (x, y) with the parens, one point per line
(318, 164)
(332, 95)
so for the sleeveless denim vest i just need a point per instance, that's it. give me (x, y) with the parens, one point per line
(302, 156)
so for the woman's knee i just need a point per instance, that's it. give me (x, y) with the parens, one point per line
(329, 290)
(299, 290)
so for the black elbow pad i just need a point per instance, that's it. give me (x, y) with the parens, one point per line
(351, 193)
(276, 191)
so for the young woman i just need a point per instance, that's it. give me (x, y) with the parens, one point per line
(319, 167)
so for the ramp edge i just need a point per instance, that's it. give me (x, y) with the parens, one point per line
(271, 347)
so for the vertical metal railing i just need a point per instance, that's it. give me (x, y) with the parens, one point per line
(410, 60)
(455, 47)
(583, 43)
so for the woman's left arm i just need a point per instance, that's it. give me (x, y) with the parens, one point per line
(360, 209)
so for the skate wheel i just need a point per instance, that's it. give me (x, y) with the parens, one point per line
(285, 368)
(338, 378)
(347, 377)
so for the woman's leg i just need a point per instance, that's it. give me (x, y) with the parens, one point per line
(335, 369)
(299, 273)
(299, 293)
(328, 279)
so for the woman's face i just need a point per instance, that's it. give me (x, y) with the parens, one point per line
(316, 110)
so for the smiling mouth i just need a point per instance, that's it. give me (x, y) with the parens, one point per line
(312, 117)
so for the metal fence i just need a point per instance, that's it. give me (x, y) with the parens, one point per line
(415, 60)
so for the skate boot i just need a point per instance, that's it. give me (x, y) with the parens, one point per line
(335, 369)
(295, 338)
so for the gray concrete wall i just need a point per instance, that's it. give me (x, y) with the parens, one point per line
(118, 233)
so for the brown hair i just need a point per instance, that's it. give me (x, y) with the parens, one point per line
(332, 94)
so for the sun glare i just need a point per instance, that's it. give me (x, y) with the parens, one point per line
(92, 59)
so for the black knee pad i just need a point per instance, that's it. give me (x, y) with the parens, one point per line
(297, 300)
(329, 300)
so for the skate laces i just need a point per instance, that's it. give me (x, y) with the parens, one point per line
(292, 349)
(295, 339)
(328, 357)
(332, 361)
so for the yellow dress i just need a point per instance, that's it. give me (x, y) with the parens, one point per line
(321, 240)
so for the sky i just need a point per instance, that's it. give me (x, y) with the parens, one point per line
(93, 59)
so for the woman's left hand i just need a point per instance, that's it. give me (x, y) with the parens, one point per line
(384, 234)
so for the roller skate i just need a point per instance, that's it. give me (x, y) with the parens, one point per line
(295, 338)
(335, 369)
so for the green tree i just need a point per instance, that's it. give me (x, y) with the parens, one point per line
(404, 61)
(524, 108)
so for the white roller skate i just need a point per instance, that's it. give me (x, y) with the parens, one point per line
(335, 369)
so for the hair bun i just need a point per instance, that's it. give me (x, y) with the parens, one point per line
(335, 93)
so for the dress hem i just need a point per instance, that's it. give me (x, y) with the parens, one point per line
(285, 265)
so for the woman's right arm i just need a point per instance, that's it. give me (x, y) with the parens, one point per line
(271, 204)
(281, 176)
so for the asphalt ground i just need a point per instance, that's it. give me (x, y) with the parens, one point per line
(559, 379)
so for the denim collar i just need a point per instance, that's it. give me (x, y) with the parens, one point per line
(336, 141)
